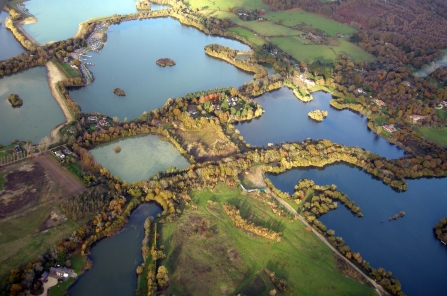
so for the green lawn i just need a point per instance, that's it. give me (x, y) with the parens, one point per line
(443, 50)
(208, 255)
(269, 28)
(224, 4)
(441, 113)
(69, 70)
(353, 51)
(295, 17)
(435, 135)
(250, 36)
(305, 52)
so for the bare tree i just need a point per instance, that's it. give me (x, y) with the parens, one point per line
(44, 144)
(28, 146)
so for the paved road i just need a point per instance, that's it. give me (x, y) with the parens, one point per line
(379, 288)
(61, 175)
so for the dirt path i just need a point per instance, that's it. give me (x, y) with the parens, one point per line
(256, 176)
(55, 75)
(379, 289)
(50, 283)
(65, 179)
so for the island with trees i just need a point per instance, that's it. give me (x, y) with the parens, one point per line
(143, 5)
(163, 62)
(441, 230)
(15, 100)
(317, 115)
(119, 92)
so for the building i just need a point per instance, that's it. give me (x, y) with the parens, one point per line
(379, 102)
(416, 118)
(390, 128)
(17, 149)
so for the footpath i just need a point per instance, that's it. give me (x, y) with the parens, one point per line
(379, 289)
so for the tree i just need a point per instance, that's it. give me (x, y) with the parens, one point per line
(162, 277)
(44, 144)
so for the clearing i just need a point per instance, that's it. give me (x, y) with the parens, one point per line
(208, 255)
(435, 135)
(206, 144)
(30, 221)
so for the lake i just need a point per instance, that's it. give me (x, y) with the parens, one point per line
(286, 120)
(10, 47)
(407, 247)
(54, 25)
(140, 158)
(115, 259)
(39, 113)
(128, 62)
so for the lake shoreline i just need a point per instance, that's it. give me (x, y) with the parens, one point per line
(55, 75)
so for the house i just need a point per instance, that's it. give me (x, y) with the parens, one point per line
(192, 109)
(416, 118)
(339, 35)
(360, 91)
(59, 154)
(44, 276)
(93, 119)
(379, 102)
(62, 273)
(390, 128)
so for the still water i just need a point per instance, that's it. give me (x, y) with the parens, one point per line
(407, 247)
(9, 46)
(39, 113)
(285, 119)
(53, 23)
(128, 62)
(140, 157)
(115, 259)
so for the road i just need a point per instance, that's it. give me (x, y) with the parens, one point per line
(71, 184)
(379, 289)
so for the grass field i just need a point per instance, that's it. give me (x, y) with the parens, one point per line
(435, 135)
(269, 29)
(250, 36)
(224, 4)
(442, 114)
(304, 52)
(295, 17)
(208, 255)
(353, 51)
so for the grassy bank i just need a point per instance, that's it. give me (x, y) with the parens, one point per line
(208, 255)
(435, 135)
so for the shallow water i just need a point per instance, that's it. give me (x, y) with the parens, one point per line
(9, 46)
(39, 113)
(140, 158)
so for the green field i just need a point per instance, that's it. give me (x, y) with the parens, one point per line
(250, 36)
(304, 52)
(208, 255)
(295, 17)
(442, 114)
(224, 4)
(269, 29)
(435, 135)
(353, 51)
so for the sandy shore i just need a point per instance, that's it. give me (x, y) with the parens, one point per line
(55, 75)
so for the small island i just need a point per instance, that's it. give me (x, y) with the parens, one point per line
(317, 115)
(119, 92)
(397, 216)
(143, 5)
(441, 230)
(165, 62)
(15, 100)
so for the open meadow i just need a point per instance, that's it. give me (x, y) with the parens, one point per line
(224, 4)
(297, 16)
(208, 255)
(435, 135)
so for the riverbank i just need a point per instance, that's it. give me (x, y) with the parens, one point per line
(27, 21)
(55, 75)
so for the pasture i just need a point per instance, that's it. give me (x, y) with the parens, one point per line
(435, 135)
(250, 36)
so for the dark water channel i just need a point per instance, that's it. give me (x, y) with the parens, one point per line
(407, 247)
(115, 259)
(285, 119)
